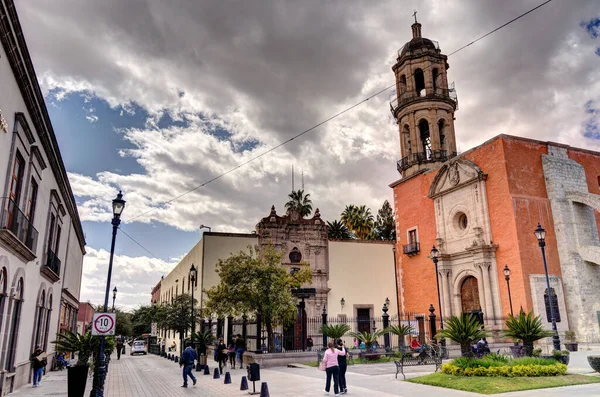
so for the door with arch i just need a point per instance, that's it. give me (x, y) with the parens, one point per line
(469, 295)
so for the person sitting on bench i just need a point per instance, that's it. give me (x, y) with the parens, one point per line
(415, 345)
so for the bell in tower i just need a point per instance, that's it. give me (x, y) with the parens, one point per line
(424, 105)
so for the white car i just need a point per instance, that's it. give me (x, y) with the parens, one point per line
(138, 346)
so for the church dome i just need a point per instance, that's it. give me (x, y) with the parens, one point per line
(419, 43)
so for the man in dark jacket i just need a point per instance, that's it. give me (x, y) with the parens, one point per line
(187, 362)
(119, 347)
(343, 364)
(38, 362)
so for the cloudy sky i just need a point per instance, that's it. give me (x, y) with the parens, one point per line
(155, 97)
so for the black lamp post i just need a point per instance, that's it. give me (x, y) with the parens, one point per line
(434, 257)
(507, 278)
(540, 233)
(118, 204)
(206, 227)
(193, 273)
(386, 323)
(114, 297)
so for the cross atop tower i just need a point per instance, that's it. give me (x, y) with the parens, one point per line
(415, 15)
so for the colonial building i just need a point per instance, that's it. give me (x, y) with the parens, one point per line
(41, 238)
(85, 316)
(480, 209)
(352, 278)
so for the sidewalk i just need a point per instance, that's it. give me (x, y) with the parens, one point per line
(152, 376)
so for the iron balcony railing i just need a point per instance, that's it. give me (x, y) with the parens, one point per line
(14, 219)
(411, 249)
(422, 158)
(53, 263)
(407, 97)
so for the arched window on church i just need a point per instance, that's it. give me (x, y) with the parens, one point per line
(402, 84)
(442, 130)
(295, 256)
(420, 82)
(434, 77)
(406, 140)
(551, 301)
(425, 138)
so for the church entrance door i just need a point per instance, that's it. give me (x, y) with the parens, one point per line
(469, 295)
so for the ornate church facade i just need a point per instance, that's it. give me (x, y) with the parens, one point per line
(480, 209)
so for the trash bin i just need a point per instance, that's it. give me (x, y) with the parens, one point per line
(253, 372)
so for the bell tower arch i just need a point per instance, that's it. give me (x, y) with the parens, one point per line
(424, 105)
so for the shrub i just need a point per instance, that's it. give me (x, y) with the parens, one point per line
(536, 352)
(527, 328)
(532, 361)
(553, 369)
(463, 330)
(570, 337)
(335, 331)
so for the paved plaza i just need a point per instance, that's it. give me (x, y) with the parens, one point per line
(152, 376)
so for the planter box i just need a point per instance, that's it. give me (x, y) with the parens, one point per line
(572, 346)
(594, 362)
(561, 359)
(76, 380)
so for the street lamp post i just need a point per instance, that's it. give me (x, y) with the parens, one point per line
(114, 297)
(205, 227)
(193, 273)
(118, 204)
(540, 233)
(507, 278)
(435, 253)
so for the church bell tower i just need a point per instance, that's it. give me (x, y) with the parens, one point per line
(424, 105)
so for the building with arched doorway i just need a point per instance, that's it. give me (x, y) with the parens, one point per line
(480, 209)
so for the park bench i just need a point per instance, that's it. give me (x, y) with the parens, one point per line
(429, 355)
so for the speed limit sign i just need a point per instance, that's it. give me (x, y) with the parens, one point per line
(104, 324)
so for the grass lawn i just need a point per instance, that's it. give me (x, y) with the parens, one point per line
(493, 385)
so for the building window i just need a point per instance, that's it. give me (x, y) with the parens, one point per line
(48, 317)
(14, 327)
(17, 178)
(463, 221)
(295, 255)
(32, 200)
(553, 300)
(40, 319)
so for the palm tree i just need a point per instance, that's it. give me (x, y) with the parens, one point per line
(463, 330)
(368, 338)
(335, 331)
(359, 220)
(401, 331)
(74, 342)
(299, 202)
(527, 328)
(336, 230)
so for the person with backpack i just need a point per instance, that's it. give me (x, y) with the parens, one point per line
(187, 362)
(38, 362)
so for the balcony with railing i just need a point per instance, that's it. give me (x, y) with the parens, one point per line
(411, 249)
(408, 97)
(51, 268)
(16, 231)
(433, 156)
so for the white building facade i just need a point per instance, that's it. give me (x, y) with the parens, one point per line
(41, 238)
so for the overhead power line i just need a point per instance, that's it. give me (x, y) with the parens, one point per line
(320, 124)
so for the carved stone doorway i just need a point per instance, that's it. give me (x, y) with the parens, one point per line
(469, 295)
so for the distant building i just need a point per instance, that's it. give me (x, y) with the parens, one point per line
(352, 278)
(155, 298)
(480, 209)
(85, 316)
(41, 239)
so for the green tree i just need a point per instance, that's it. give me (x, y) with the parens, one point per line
(143, 317)
(368, 338)
(527, 328)
(178, 315)
(255, 282)
(359, 220)
(336, 230)
(385, 226)
(300, 202)
(401, 331)
(464, 330)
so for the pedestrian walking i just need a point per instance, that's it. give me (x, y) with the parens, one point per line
(187, 362)
(343, 364)
(119, 347)
(221, 355)
(240, 347)
(332, 368)
(309, 343)
(38, 362)
(231, 353)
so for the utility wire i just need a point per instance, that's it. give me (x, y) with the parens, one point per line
(321, 123)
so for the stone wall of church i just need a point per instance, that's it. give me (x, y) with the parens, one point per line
(575, 226)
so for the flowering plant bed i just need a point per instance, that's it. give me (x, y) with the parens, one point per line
(499, 365)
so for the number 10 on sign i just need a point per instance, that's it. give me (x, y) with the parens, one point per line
(104, 324)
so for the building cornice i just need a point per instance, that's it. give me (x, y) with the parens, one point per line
(13, 41)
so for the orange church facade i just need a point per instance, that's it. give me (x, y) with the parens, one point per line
(480, 210)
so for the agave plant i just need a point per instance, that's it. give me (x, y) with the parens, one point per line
(527, 328)
(203, 339)
(335, 331)
(400, 330)
(463, 330)
(368, 338)
(74, 342)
